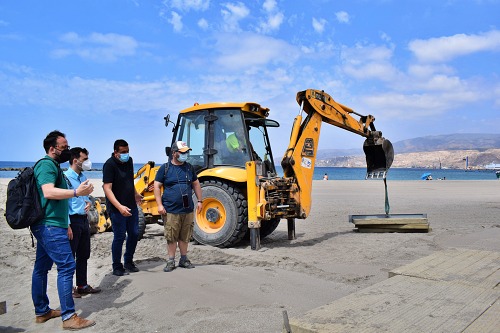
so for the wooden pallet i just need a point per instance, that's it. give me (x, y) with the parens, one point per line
(391, 223)
(450, 291)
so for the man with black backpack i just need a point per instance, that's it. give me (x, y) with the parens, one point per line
(51, 234)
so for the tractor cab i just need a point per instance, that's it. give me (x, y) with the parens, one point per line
(226, 135)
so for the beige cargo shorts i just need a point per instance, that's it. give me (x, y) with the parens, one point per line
(178, 227)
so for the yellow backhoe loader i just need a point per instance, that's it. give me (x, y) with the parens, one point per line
(231, 153)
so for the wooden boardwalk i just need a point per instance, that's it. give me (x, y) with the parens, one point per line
(455, 290)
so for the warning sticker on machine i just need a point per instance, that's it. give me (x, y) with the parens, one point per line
(306, 162)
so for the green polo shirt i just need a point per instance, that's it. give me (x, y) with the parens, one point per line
(56, 213)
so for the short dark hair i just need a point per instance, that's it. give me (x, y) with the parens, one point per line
(51, 139)
(119, 143)
(75, 153)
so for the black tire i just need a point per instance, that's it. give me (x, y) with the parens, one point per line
(142, 223)
(223, 220)
(267, 227)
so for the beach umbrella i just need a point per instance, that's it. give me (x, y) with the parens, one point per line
(425, 175)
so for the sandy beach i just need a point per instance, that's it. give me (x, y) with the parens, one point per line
(240, 290)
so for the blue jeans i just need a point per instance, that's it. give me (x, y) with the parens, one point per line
(124, 227)
(52, 247)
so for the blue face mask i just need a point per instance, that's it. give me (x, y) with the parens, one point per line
(124, 157)
(183, 157)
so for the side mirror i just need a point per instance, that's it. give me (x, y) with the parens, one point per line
(168, 150)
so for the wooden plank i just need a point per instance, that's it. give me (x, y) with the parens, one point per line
(394, 226)
(438, 293)
(488, 322)
(472, 267)
(376, 230)
(389, 230)
(400, 304)
(3, 307)
(389, 220)
(434, 260)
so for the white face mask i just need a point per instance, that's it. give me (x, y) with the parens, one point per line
(87, 165)
(183, 157)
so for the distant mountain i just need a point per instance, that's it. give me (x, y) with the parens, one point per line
(448, 142)
(428, 152)
(329, 153)
(425, 144)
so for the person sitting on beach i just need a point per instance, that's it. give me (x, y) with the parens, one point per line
(79, 229)
(325, 177)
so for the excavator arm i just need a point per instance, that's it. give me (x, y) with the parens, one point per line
(334, 113)
(300, 157)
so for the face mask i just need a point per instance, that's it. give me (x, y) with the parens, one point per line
(183, 157)
(64, 156)
(87, 165)
(124, 157)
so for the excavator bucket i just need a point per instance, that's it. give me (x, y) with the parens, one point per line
(379, 157)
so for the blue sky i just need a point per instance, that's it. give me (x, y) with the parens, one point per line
(103, 70)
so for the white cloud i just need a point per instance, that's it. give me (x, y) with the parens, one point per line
(379, 71)
(318, 50)
(274, 18)
(186, 5)
(368, 62)
(176, 21)
(273, 23)
(385, 37)
(269, 5)
(318, 25)
(418, 105)
(80, 94)
(245, 50)
(363, 53)
(342, 17)
(203, 24)
(97, 46)
(232, 14)
(422, 71)
(447, 48)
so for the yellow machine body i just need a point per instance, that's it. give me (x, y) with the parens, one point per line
(243, 196)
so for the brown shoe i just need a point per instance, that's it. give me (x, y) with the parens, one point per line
(77, 323)
(75, 293)
(49, 315)
(88, 290)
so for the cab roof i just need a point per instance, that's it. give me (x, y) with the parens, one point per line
(250, 107)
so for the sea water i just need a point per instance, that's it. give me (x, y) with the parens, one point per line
(334, 173)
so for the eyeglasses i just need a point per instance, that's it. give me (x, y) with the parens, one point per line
(62, 148)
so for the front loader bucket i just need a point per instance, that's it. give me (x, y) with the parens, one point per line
(379, 157)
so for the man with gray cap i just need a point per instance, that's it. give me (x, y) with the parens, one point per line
(178, 179)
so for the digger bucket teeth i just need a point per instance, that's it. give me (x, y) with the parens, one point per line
(379, 157)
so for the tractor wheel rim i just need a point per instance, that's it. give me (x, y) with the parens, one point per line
(212, 217)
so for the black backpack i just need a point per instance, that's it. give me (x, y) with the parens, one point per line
(23, 207)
